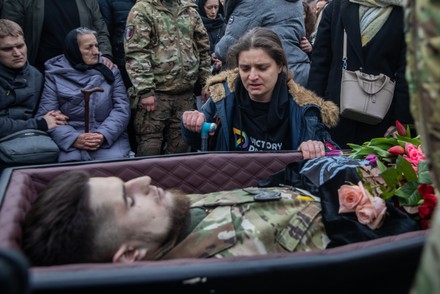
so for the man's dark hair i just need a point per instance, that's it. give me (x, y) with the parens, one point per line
(58, 227)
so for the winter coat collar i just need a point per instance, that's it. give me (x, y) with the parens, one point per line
(302, 96)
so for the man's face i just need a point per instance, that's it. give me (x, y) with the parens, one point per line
(13, 52)
(137, 205)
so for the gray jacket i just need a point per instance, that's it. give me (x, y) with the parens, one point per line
(283, 16)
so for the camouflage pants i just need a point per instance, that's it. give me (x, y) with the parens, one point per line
(158, 132)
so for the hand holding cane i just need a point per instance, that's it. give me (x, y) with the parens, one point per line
(207, 128)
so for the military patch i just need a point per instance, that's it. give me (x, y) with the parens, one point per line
(129, 32)
(231, 20)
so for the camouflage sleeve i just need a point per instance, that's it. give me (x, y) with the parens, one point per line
(201, 40)
(137, 49)
(423, 74)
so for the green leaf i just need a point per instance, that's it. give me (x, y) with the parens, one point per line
(383, 141)
(362, 153)
(424, 173)
(380, 151)
(387, 194)
(408, 194)
(403, 140)
(408, 131)
(404, 166)
(391, 177)
(353, 146)
(380, 165)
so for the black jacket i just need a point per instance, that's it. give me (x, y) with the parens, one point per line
(385, 53)
(115, 14)
(20, 92)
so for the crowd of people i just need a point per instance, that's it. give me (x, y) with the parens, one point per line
(164, 67)
(161, 69)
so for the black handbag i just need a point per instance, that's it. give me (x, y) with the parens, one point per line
(28, 147)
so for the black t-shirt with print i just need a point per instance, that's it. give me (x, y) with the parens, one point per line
(249, 130)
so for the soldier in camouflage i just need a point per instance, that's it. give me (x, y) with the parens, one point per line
(167, 52)
(261, 221)
(134, 220)
(423, 74)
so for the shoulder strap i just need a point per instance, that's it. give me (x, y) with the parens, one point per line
(344, 51)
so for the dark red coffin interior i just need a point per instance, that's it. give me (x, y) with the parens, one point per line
(347, 269)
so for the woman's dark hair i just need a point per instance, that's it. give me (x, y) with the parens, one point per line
(57, 229)
(258, 38)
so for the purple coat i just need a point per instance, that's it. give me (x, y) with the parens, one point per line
(109, 110)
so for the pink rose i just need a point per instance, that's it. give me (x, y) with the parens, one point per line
(349, 197)
(413, 154)
(371, 212)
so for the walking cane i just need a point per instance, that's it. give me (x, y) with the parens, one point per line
(87, 93)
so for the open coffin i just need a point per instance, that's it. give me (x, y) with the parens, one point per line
(381, 265)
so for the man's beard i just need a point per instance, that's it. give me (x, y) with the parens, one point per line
(179, 215)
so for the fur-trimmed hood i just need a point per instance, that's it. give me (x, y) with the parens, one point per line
(302, 96)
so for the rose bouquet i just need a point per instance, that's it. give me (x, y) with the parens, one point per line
(397, 172)
(369, 209)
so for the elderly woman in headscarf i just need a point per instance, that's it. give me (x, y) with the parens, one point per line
(101, 132)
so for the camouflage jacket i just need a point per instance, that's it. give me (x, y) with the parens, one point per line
(166, 50)
(423, 75)
(237, 224)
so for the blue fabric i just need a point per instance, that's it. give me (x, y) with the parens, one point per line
(322, 169)
(305, 123)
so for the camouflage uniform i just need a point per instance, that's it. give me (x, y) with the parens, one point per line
(167, 51)
(423, 74)
(236, 224)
